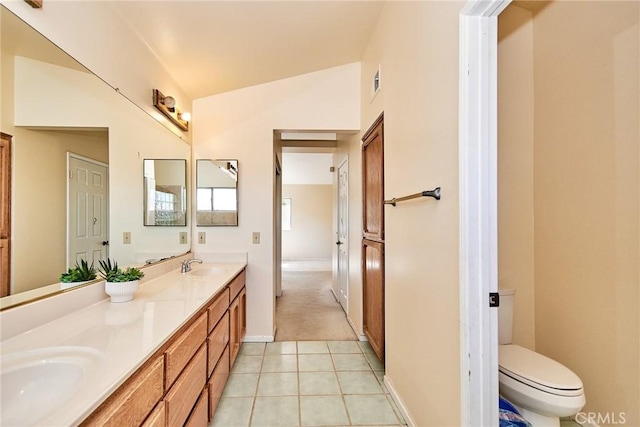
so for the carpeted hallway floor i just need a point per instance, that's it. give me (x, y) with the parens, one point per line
(308, 311)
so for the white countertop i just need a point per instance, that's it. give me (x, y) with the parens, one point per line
(89, 353)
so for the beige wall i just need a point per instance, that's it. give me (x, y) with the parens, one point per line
(85, 102)
(586, 197)
(515, 167)
(39, 202)
(416, 46)
(577, 171)
(242, 127)
(97, 36)
(311, 233)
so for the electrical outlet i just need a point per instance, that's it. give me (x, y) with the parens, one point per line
(202, 237)
(183, 237)
(256, 238)
(126, 237)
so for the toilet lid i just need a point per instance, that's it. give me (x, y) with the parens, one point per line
(538, 371)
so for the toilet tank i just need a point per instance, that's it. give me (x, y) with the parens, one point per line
(505, 315)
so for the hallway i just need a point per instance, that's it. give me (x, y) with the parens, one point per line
(307, 309)
(306, 383)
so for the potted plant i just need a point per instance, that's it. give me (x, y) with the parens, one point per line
(82, 272)
(120, 284)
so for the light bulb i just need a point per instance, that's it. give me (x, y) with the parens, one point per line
(186, 116)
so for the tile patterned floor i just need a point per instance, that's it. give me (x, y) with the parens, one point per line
(306, 383)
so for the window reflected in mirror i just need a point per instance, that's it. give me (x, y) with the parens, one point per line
(165, 192)
(217, 192)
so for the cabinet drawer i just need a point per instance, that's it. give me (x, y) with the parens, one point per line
(132, 402)
(180, 352)
(236, 285)
(216, 342)
(183, 395)
(217, 309)
(218, 381)
(157, 417)
(200, 415)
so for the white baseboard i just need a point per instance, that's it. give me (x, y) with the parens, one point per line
(399, 403)
(355, 330)
(259, 338)
(335, 296)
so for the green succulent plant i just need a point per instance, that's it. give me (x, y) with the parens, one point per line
(82, 272)
(112, 273)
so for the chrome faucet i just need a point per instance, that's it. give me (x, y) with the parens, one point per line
(186, 265)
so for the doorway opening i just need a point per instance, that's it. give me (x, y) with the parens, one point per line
(311, 294)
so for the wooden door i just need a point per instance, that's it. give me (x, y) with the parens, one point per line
(5, 214)
(373, 236)
(373, 294)
(373, 182)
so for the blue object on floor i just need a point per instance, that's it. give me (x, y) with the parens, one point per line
(509, 415)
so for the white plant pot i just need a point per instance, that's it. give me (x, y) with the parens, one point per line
(121, 291)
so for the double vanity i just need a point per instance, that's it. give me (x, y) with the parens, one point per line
(159, 360)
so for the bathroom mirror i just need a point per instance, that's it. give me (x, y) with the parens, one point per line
(217, 192)
(89, 120)
(165, 192)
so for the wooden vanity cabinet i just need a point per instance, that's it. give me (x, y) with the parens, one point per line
(182, 383)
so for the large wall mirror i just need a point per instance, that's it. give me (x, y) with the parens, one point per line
(59, 113)
(165, 192)
(217, 192)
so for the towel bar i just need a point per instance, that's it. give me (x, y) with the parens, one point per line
(435, 193)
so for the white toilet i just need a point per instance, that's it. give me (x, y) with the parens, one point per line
(542, 389)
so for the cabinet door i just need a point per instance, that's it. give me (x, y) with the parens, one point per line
(373, 183)
(234, 336)
(218, 381)
(132, 402)
(373, 294)
(217, 309)
(243, 313)
(182, 397)
(217, 342)
(200, 415)
(157, 417)
(181, 351)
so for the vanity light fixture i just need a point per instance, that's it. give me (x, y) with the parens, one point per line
(167, 106)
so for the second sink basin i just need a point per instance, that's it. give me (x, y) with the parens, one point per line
(209, 271)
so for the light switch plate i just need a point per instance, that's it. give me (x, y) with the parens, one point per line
(126, 237)
(256, 238)
(183, 237)
(202, 237)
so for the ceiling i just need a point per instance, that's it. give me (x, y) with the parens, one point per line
(211, 47)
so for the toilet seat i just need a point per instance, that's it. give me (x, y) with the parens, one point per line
(538, 371)
(539, 384)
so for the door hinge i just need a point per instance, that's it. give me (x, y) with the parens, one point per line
(494, 299)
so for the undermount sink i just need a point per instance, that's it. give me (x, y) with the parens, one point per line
(35, 383)
(209, 271)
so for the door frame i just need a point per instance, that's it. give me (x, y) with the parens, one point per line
(71, 155)
(343, 162)
(478, 217)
